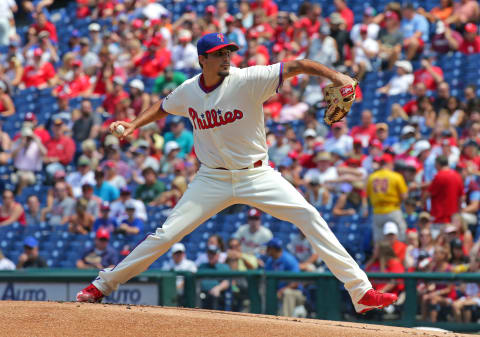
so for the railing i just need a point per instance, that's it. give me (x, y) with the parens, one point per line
(328, 299)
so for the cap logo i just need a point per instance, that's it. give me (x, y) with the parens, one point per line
(220, 37)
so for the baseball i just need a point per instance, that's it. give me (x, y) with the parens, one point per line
(119, 130)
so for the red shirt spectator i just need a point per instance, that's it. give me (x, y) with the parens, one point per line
(269, 6)
(424, 75)
(154, 60)
(39, 130)
(78, 85)
(345, 12)
(366, 131)
(60, 146)
(446, 191)
(114, 98)
(42, 24)
(471, 41)
(39, 73)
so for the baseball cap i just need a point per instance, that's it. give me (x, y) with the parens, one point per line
(137, 84)
(450, 229)
(212, 42)
(385, 158)
(309, 133)
(110, 164)
(77, 63)
(125, 190)
(336, 19)
(407, 129)
(178, 247)
(424, 216)
(175, 120)
(323, 156)
(83, 161)
(369, 11)
(212, 249)
(391, 15)
(30, 241)
(102, 233)
(420, 146)
(376, 143)
(184, 35)
(105, 205)
(59, 174)
(130, 204)
(254, 213)
(26, 132)
(470, 28)
(170, 146)
(390, 228)
(37, 52)
(275, 243)
(338, 125)
(363, 28)
(94, 27)
(118, 80)
(405, 65)
(210, 9)
(111, 140)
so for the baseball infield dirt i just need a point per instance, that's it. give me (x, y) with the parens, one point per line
(75, 319)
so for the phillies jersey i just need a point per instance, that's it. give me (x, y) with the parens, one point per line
(228, 121)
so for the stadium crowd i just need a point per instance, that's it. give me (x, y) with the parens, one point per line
(416, 187)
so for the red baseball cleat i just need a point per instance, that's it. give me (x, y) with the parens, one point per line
(374, 300)
(90, 294)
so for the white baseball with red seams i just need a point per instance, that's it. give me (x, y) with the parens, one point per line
(229, 133)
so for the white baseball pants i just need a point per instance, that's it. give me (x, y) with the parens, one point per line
(213, 190)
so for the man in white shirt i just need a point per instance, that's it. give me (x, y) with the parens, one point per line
(253, 236)
(179, 262)
(340, 140)
(324, 172)
(184, 54)
(7, 7)
(118, 210)
(83, 175)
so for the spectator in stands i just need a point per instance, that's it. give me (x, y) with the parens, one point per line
(464, 11)
(33, 214)
(171, 197)
(42, 24)
(413, 250)
(443, 95)
(40, 74)
(324, 171)
(386, 190)
(323, 49)
(213, 240)
(152, 187)
(390, 40)
(213, 290)
(27, 153)
(105, 221)
(367, 130)
(184, 54)
(118, 210)
(302, 250)
(131, 225)
(7, 8)
(458, 229)
(88, 58)
(83, 176)
(415, 30)
(12, 71)
(401, 81)
(10, 210)
(440, 42)
(253, 236)
(445, 191)
(429, 74)
(317, 193)
(179, 134)
(5, 146)
(281, 147)
(340, 34)
(30, 120)
(372, 28)
(7, 108)
(5, 263)
(30, 258)
(365, 51)
(389, 263)
(101, 255)
(155, 59)
(469, 44)
(462, 307)
(60, 149)
(87, 124)
(103, 189)
(340, 140)
(62, 207)
(293, 108)
(471, 204)
(81, 222)
(115, 94)
(290, 294)
(352, 200)
(95, 37)
(50, 53)
(93, 202)
(140, 100)
(111, 175)
(168, 81)
(179, 262)
(244, 261)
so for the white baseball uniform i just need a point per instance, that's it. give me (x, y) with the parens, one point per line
(229, 133)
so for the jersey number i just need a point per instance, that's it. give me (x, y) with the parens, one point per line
(380, 185)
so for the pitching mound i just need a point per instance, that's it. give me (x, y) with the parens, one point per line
(74, 319)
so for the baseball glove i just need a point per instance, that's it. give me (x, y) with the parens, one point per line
(339, 101)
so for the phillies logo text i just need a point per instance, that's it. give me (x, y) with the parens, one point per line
(213, 118)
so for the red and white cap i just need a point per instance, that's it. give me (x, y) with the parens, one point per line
(254, 213)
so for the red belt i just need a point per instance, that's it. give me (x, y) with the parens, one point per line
(258, 163)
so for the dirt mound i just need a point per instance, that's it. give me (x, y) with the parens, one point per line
(83, 319)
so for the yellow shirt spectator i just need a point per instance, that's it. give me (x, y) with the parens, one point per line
(385, 189)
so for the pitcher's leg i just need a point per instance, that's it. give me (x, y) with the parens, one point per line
(273, 194)
(203, 199)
